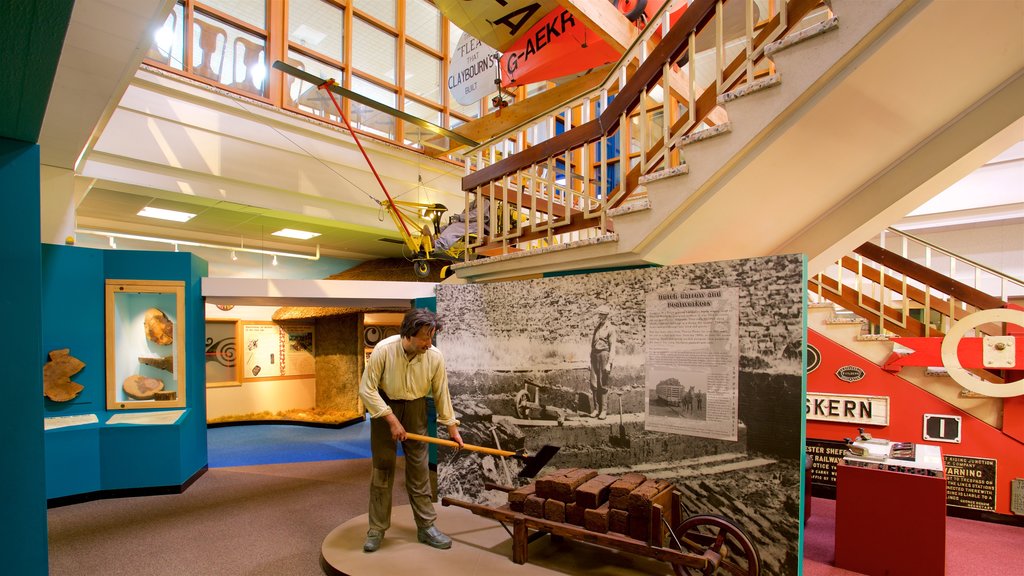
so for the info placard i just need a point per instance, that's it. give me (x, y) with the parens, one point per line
(970, 482)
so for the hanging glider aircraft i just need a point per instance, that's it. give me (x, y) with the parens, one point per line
(542, 40)
(558, 45)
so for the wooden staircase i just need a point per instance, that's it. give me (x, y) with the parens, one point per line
(690, 181)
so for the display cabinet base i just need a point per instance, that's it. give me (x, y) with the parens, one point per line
(125, 492)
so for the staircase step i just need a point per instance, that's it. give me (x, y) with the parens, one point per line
(936, 371)
(873, 337)
(632, 206)
(798, 37)
(836, 320)
(704, 134)
(820, 305)
(755, 86)
(667, 173)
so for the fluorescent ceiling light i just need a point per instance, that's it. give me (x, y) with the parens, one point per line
(297, 234)
(176, 216)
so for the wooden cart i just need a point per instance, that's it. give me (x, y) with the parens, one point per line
(700, 544)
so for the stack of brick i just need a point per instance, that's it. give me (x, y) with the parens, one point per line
(639, 507)
(618, 495)
(598, 502)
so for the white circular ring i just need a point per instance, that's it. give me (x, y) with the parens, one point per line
(951, 361)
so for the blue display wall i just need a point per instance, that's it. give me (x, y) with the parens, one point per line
(100, 458)
(22, 501)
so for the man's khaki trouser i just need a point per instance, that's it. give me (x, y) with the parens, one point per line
(413, 416)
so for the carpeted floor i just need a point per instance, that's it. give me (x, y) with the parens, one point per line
(271, 519)
(255, 520)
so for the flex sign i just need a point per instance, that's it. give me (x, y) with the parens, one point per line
(873, 410)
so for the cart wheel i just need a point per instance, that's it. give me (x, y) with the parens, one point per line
(523, 405)
(421, 268)
(711, 533)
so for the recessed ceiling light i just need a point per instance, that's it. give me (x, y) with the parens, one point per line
(176, 216)
(297, 234)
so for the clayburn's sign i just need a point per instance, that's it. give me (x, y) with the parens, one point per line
(850, 374)
(470, 77)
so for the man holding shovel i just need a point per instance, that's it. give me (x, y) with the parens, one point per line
(601, 342)
(401, 371)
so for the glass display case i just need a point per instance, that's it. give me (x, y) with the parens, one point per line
(145, 344)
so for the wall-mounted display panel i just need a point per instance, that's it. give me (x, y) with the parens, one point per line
(277, 351)
(222, 367)
(145, 344)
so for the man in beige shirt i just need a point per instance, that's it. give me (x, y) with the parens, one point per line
(401, 371)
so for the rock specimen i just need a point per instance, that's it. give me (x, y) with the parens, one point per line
(141, 387)
(57, 373)
(159, 327)
(166, 363)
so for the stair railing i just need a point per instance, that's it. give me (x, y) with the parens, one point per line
(909, 287)
(562, 171)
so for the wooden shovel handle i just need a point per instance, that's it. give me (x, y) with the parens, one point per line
(451, 444)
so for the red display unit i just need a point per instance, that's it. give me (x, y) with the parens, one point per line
(889, 522)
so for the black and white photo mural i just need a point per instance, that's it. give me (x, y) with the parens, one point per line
(691, 374)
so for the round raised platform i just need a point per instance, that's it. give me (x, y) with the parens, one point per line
(479, 545)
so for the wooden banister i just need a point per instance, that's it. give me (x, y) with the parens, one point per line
(928, 277)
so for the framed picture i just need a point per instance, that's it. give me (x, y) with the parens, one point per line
(270, 350)
(222, 367)
(145, 344)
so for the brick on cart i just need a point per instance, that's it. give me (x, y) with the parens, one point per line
(517, 497)
(574, 513)
(554, 510)
(534, 506)
(618, 521)
(620, 489)
(594, 492)
(640, 507)
(564, 488)
(596, 519)
(646, 492)
(545, 484)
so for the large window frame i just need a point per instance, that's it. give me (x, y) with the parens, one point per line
(277, 86)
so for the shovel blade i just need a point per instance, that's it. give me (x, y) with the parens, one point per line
(533, 464)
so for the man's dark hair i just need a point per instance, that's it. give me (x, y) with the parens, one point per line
(418, 318)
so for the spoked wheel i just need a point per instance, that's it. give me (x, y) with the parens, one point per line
(421, 268)
(523, 405)
(718, 539)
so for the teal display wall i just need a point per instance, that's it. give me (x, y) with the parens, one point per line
(100, 458)
(23, 499)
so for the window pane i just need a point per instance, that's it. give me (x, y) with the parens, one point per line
(383, 10)
(422, 74)
(228, 55)
(471, 110)
(423, 22)
(373, 50)
(417, 136)
(317, 25)
(307, 96)
(252, 11)
(169, 40)
(368, 118)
